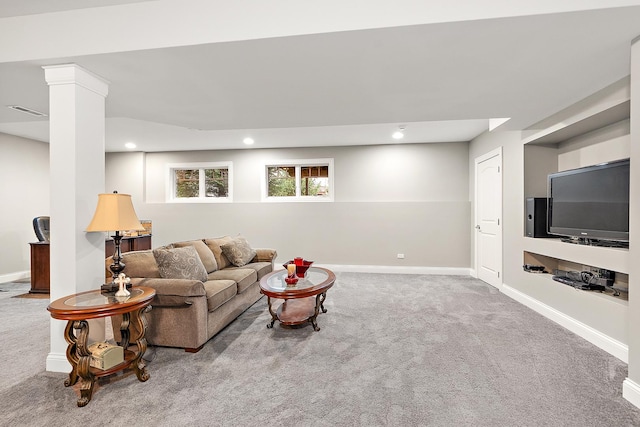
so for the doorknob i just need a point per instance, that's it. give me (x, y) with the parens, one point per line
(478, 227)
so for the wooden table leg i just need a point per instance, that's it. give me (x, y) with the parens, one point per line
(140, 322)
(72, 356)
(83, 363)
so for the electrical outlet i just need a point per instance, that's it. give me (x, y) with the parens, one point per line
(400, 256)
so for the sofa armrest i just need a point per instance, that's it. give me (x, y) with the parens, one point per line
(265, 255)
(172, 292)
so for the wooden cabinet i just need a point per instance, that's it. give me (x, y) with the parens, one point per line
(39, 268)
(40, 258)
(128, 244)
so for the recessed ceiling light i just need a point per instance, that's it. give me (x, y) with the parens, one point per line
(399, 134)
(248, 141)
(130, 145)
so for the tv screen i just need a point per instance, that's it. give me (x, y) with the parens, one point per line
(591, 202)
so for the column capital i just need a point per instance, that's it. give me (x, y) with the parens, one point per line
(74, 74)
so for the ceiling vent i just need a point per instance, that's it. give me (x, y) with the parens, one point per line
(27, 110)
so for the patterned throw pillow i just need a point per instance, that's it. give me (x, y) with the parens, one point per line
(238, 251)
(180, 263)
(205, 254)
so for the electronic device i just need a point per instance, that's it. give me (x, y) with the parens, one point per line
(597, 280)
(579, 284)
(536, 217)
(591, 203)
(533, 268)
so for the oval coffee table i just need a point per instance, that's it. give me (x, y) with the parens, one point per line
(303, 301)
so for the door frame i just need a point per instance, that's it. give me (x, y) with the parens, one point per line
(477, 161)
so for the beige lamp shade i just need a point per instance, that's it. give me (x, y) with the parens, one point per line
(114, 213)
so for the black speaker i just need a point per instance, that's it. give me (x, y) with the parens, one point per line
(536, 217)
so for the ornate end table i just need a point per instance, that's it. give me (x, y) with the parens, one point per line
(79, 308)
(303, 301)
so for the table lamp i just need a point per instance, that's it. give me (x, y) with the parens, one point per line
(114, 213)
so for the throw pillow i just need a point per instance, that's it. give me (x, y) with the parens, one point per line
(205, 254)
(238, 251)
(214, 244)
(180, 263)
(138, 264)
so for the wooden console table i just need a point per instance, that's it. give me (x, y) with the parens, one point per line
(40, 260)
(77, 309)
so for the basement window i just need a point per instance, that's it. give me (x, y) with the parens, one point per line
(299, 180)
(199, 182)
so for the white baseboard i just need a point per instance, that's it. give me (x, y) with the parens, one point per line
(446, 271)
(57, 362)
(631, 392)
(12, 277)
(595, 337)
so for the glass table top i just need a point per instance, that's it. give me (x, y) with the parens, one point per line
(96, 299)
(314, 277)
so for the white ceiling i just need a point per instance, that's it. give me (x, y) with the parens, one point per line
(443, 81)
(31, 7)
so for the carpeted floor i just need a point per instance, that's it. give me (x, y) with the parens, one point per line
(396, 350)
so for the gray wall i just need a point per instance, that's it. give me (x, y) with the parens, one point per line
(390, 199)
(24, 174)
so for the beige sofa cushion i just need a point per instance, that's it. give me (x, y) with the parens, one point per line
(172, 292)
(215, 246)
(238, 251)
(219, 292)
(205, 254)
(261, 268)
(138, 264)
(180, 263)
(244, 277)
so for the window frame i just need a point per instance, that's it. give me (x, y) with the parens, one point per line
(171, 181)
(298, 164)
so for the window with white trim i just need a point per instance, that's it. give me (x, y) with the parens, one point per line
(200, 182)
(299, 180)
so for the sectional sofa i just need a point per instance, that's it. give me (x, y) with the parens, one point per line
(201, 286)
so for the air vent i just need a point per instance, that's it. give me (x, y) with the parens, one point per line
(27, 110)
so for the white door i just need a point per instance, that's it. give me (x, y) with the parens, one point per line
(488, 212)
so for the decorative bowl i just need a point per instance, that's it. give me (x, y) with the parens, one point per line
(301, 270)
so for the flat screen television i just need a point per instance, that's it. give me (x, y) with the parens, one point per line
(590, 203)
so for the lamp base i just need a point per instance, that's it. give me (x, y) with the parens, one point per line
(112, 287)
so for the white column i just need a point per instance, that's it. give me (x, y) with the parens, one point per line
(76, 129)
(631, 386)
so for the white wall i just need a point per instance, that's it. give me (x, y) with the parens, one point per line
(604, 145)
(410, 199)
(513, 203)
(24, 174)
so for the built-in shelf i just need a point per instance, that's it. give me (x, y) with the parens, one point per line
(588, 132)
(615, 259)
(580, 124)
(542, 279)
